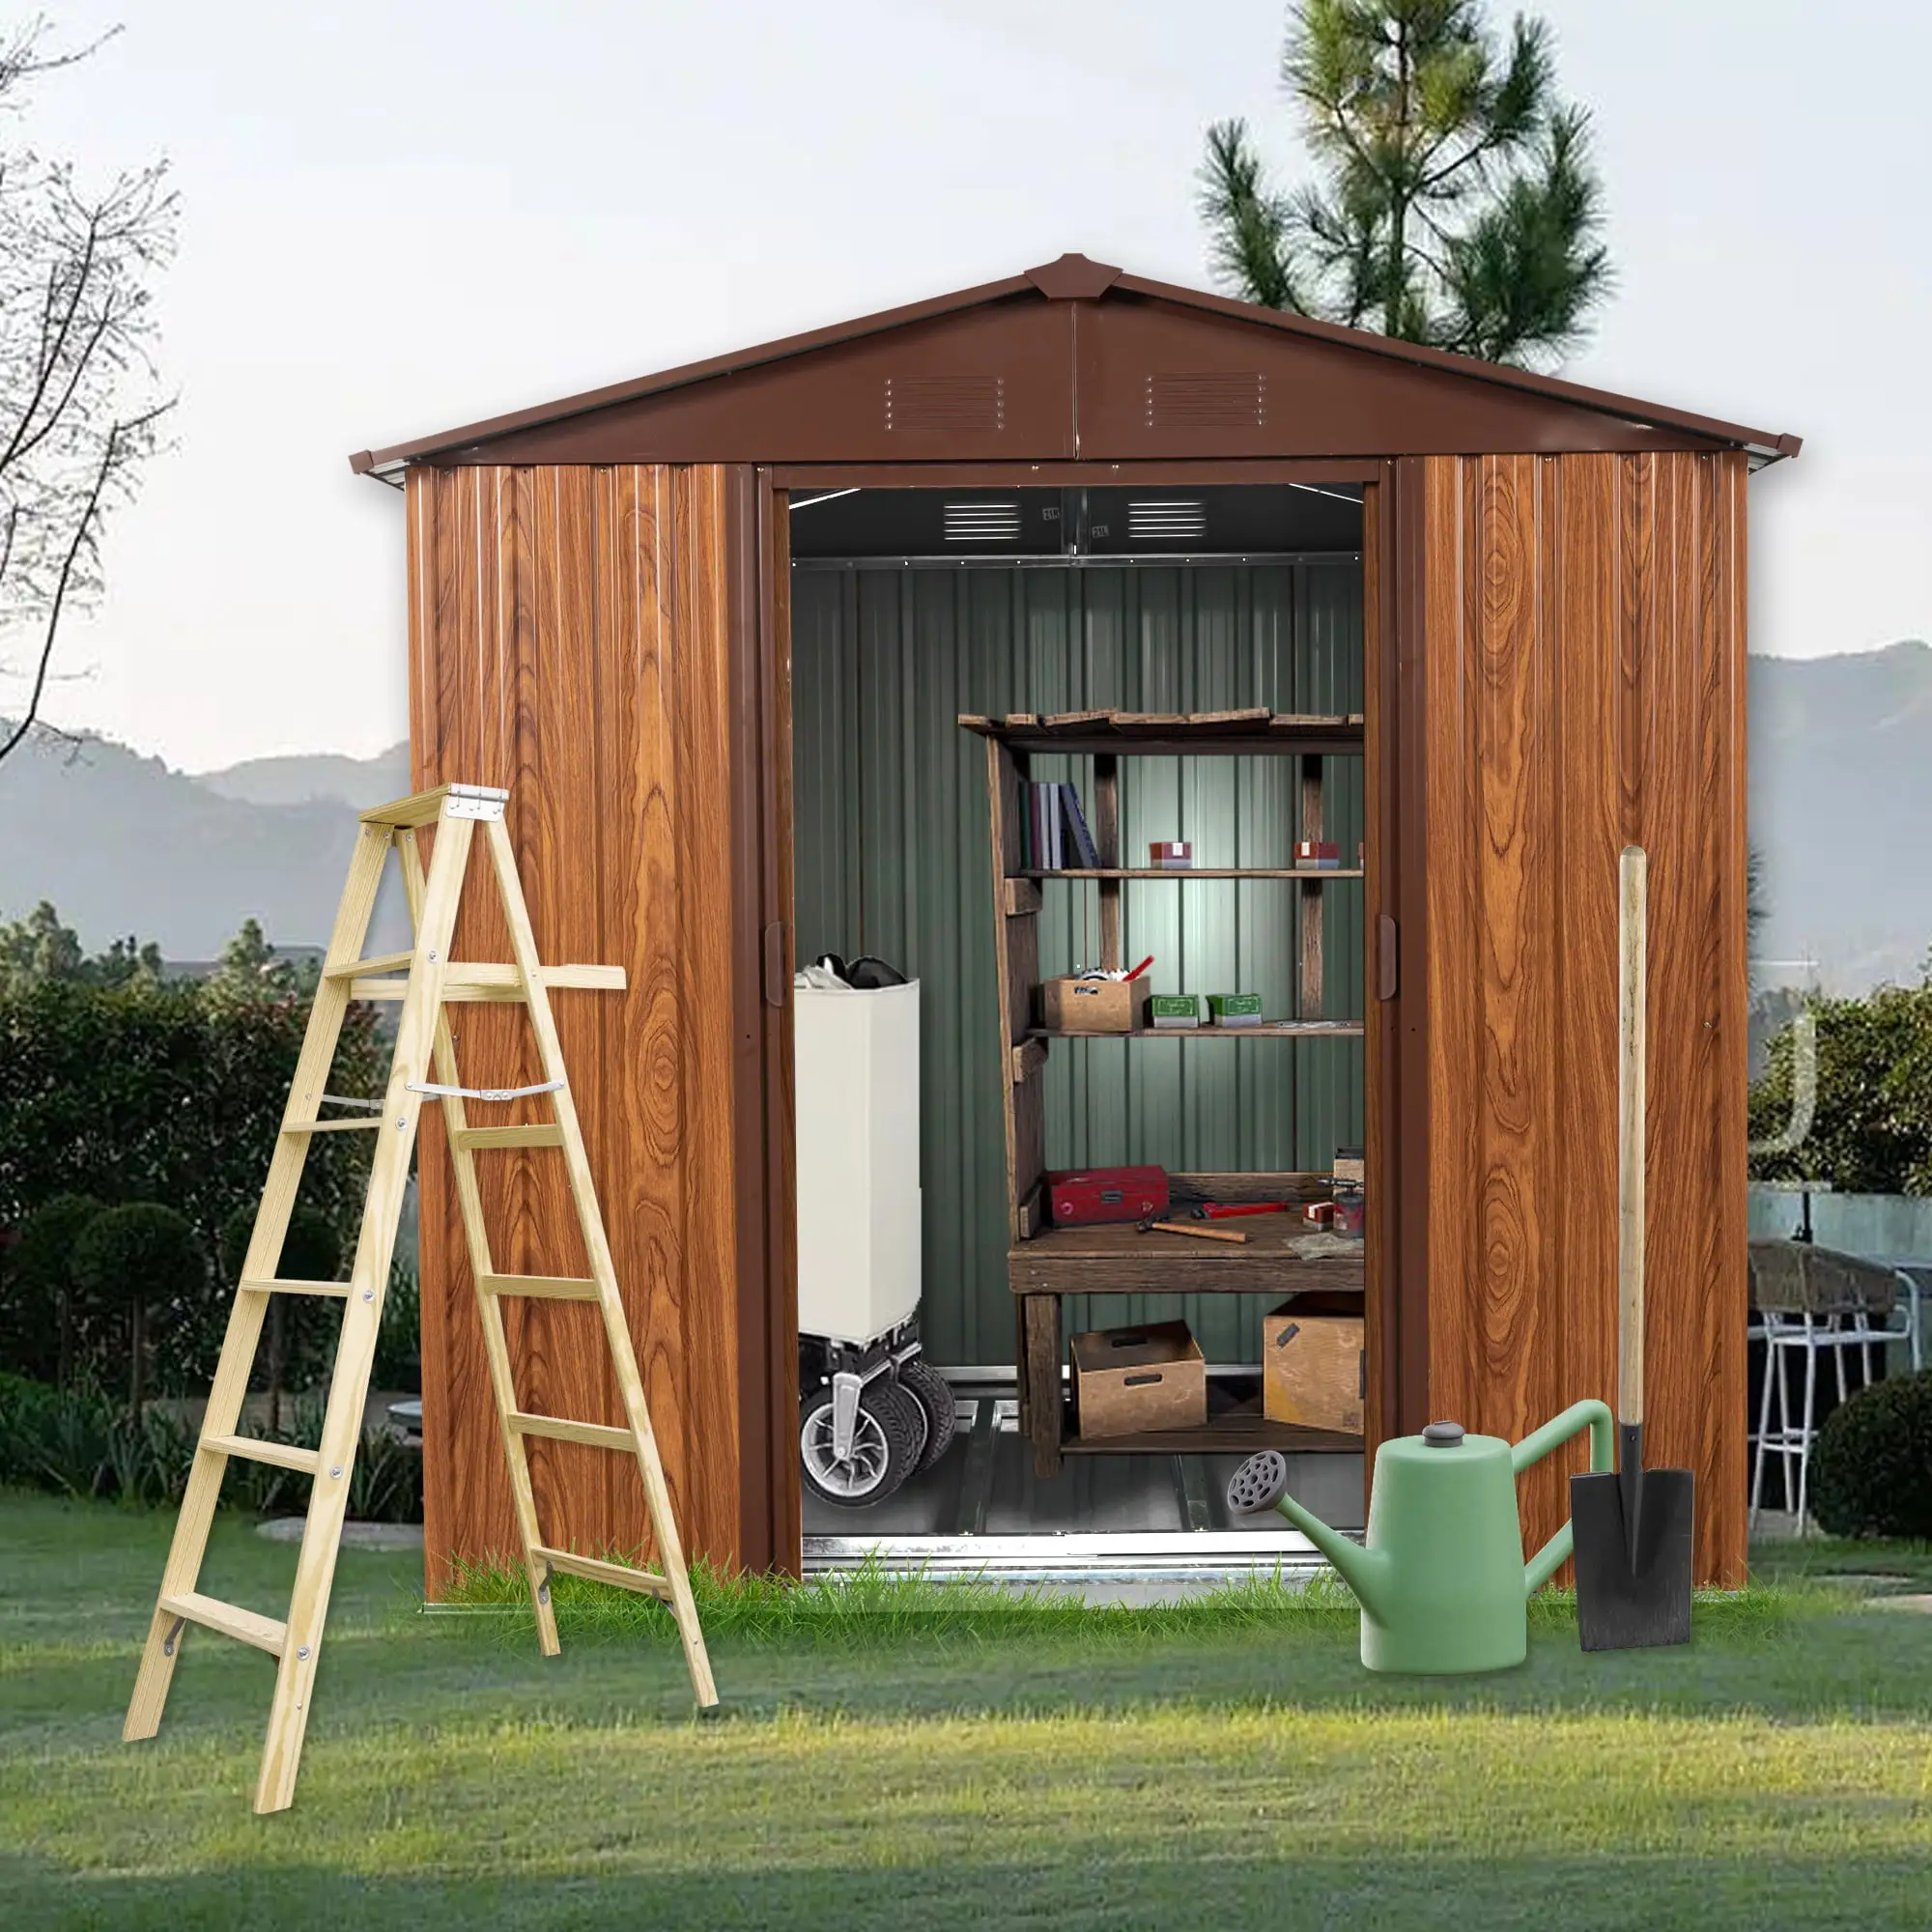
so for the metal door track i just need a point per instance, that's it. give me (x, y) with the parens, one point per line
(1077, 1557)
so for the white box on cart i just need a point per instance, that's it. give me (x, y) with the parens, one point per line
(856, 1068)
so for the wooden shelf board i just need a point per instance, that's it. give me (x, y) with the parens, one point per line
(1236, 1432)
(1198, 873)
(1267, 1029)
(1118, 1259)
(1160, 734)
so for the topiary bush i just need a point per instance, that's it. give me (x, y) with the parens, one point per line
(146, 1259)
(39, 1315)
(1872, 1470)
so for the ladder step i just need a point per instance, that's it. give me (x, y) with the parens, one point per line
(489, 980)
(466, 1140)
(284, 1454)
(230, 1619)
(331, 1126)
(619, 1575)
(267, 1285)
(539, 1287)
(559, 1429)
(383, 962)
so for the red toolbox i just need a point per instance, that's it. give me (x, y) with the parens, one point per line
(1106, 1194)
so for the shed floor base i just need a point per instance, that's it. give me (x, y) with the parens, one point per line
(1128, 1521)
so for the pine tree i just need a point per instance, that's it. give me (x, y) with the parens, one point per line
(1458, 205)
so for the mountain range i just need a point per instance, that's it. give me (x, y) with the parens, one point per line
(122, 844)
(1840, 813)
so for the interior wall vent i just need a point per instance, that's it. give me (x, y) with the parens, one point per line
(1168, 521)
(946, 402)
(1206, 399)
(981, 523)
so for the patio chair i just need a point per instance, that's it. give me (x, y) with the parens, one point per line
(1808, 1301)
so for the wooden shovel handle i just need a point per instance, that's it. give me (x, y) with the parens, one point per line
(1632, 941)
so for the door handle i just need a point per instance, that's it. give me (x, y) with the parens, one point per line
(1385, 957)
(774, 964)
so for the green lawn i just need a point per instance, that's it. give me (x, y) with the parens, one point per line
(1191, 1772)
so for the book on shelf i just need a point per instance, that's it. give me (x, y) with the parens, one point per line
(1056, 834)
(1084, 848)
(1042, 841)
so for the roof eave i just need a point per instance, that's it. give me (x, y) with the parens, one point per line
(1075, 277)
(385, 463)
(1764, 446)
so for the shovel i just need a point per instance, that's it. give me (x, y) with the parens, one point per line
(1633, 1529)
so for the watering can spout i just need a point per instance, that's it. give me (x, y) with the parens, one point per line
(1364, 1570)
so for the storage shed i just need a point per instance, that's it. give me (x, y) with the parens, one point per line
(1528, 595)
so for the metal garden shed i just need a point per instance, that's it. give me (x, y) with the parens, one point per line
(613, 610)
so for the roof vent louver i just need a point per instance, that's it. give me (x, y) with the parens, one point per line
(1167, 519)
(1206, 399)
(946, 402)
(981, 523)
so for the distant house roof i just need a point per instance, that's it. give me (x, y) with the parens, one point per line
(1075, 360)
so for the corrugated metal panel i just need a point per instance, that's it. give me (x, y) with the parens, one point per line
(892, 857)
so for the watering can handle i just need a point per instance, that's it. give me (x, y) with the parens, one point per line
(1533, 1447)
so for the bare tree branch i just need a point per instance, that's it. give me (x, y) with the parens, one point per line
(79, 408)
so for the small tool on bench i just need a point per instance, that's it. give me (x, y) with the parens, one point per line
(1153, 1225)
(1228, 1210)
(1634, 1528)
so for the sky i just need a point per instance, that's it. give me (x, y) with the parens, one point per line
(402, 214)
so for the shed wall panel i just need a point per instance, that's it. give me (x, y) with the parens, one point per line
(1584, 659)
(568, 640)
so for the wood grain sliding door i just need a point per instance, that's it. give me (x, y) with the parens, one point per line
(1583, 669)
(573, 632)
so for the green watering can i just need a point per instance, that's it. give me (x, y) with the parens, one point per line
(1441, 1581)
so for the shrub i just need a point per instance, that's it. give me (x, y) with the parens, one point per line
(39, 1310)
(79, 1443)
(145, 1259)
(167, 1093)
(399, 1343)
(1872, 1470)
(300, 1333)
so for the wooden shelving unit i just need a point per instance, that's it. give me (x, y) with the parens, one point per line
(1045, 1262)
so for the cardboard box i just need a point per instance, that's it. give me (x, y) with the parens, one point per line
(1104, 1194)
(1172, 854)
(1314, 1370)
(1350, 1167)
(1094, 1005)
(1130, 1379)
(1174, 1010)
(1323, 854)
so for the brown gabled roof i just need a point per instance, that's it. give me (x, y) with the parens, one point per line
(1075, 278)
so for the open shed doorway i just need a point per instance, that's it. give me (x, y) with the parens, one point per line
(911, 607)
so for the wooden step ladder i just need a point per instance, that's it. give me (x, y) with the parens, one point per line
(423, 1034)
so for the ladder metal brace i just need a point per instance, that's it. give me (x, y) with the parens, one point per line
(481, 1092)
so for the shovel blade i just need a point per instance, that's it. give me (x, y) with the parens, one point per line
(1625, 1605)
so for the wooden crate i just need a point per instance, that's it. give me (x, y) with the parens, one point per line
(1130, 1379)
(1094, 1005)
(1314, 1370)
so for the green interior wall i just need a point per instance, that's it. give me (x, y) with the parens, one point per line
(892, 857)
